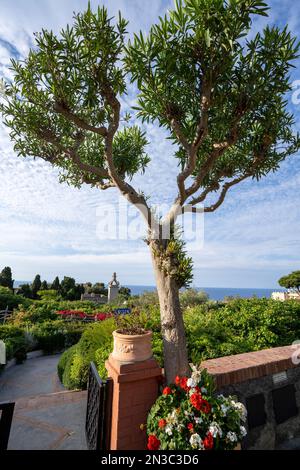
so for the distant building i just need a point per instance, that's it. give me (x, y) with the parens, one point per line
(282, 296)
(113, 291)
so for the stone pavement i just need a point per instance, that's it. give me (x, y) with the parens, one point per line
(46, 415)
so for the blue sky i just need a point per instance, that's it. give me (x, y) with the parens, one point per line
(50, 228)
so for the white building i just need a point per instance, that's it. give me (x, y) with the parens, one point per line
(282, 296)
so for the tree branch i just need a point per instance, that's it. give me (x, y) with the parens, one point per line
(63, 109)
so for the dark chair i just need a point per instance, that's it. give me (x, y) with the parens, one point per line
(6, 416)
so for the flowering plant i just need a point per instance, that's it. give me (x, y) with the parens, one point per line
(189, 416)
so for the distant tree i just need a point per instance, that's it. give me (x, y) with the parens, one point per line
(25, 291)
(6, 279)
(220, 96)
(192, 297)
(70, 290)
(99, 288)
(55, 284)
(291, 281)
(44, 285)
(36, 285)
(125, 292)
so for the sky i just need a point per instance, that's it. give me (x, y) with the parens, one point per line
(53, 229)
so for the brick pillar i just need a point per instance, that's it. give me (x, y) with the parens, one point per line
(136, 387)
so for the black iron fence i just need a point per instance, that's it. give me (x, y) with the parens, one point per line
(6, 416)
(4, 314)
(98, 413)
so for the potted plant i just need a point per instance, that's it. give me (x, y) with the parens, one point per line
(190, 416)
(132, 341)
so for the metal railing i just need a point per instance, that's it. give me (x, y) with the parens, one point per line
(98, 413)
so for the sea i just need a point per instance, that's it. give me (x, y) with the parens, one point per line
(218, 293)
(214, 293)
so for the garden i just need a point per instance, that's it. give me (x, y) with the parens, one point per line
(213, 329)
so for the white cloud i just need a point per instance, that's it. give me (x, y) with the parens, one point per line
(51, 228)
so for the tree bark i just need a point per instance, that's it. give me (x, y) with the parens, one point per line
(173, 332)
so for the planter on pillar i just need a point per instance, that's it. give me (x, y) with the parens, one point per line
(136, 377)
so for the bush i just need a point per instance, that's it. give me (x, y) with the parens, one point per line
(8, 299)
(54, 336)
(192, 297)
(14, 339)
(74, 364)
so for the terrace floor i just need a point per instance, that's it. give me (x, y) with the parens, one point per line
(46, 415)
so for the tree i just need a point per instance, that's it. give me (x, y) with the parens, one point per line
(69, 290)
(25, 290)
(44, 285)
(291, 282)
(125, 292)
(36, 285)
(220, 96)
(6, 279)
(55, 284)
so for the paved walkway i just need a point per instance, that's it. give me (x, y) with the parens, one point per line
(46, 415)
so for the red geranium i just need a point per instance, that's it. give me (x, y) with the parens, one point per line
(153, 442)
(183, 384)
(190, 426)
(162, 423)
(196, 400)
(208, 442)
(205, 407)
(167, 391)
(177, 380)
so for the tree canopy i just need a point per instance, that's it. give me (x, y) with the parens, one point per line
(221, 96)
(291, 281)
(6, 279)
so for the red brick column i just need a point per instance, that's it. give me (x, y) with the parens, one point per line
(136, 387)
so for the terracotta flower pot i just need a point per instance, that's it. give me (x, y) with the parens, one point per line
(132, 348)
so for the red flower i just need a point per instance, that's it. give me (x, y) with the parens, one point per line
(208, 442)
(162, 423)
(153, 443)
(183, 384)
(196, 400)
(190, 426)
(167, 391)
(177, 380)
(205, 407)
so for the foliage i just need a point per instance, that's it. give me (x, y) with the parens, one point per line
(292, 281)
(6, 279)
(36, 286)
(189, 416)
(14, 340)
(69, 290)
(55, 336)
(191, 298)
(74, 364)
(8, 299)
(48, 294)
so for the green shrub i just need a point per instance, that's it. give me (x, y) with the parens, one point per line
(54, 336)
(74, 364)
(10, 300)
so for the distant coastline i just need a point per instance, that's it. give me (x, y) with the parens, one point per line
(215, 293)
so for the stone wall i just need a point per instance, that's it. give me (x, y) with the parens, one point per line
(268, 383)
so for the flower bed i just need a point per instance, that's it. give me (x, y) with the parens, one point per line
(80, 315)
(188, 416)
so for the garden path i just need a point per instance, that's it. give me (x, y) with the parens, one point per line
(46, 415)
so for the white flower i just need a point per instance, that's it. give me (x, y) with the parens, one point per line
(231, 436)
(196, 374)
(192, 382)
(215, 429)
(186, 413)
(204, 390)
(243, 431)
(240, 408)
(196, 441)
(224, 409)
(168, 430)
(198, 420)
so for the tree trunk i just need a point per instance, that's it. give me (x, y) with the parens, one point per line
(173, 333)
